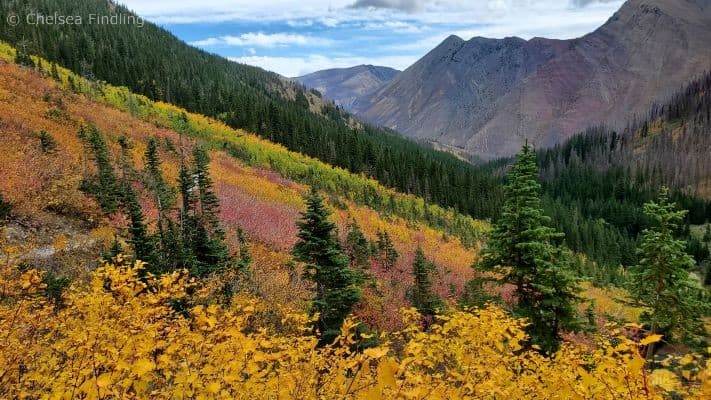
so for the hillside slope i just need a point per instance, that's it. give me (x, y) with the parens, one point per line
(152, 62)
(487, 96)
(55, 225)
(345, 86)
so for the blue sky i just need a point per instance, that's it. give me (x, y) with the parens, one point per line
(298, 37)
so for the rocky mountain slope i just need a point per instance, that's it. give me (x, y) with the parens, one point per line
(487, 96)
(345, 86)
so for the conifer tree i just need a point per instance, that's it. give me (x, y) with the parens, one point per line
(325, 265)
(114, 250)
(388, 253)
(184, 241)
(357, 247)
(142, 242)
(661, 282)
(47, 143)
(209, 248)
(103, 186)
(164, 194)
(522, 252)
(4, 208)
(55, 73)
(164, 198)
(422, 295)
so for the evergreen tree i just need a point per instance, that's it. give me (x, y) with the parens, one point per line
(357, 247)
(422, 295)
(164, 198)
(327, 267)
(164, 194)
(22, 58)
(209, 248)
(113, 251)
(103, 187)
(47, 143)
(142, 242)
(661, 282)
(522, 252)
(184, 241)
(5, 208)
(55, 73)
(387, 251)
(707, 234)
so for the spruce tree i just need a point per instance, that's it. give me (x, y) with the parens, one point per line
(5, 208)
(357, 247)
(336, 290)
(48, 144)
(209, 248)
(113, 251)
(103, 187)
(661, 282)
(388, 253)
(422, 295)
(55, 73)
(522, 252)
(164, 198)
(142, 242)
(184, 241)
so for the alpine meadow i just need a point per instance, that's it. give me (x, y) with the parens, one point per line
(348, 200)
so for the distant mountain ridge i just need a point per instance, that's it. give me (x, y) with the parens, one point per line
(345, 86)
(486, 96)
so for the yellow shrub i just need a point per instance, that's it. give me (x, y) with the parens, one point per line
(124, 337)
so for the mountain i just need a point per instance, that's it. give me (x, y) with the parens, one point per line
(345, 86)
(486, 96)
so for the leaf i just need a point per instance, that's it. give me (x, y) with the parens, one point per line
(143, 366)
(103, 380)
(376, 353)
(213, 387)
(650, 339)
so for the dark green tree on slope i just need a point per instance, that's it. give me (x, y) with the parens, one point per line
(422, 295)
(523, 251)
(661, 282)
(327, 267)
(209, 248)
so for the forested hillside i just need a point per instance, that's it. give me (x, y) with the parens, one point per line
(94, 170)
(605, 175)
(152, 62)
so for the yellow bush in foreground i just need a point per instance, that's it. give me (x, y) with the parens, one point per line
(121, 337)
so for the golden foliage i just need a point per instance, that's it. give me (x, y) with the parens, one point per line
(122, 336)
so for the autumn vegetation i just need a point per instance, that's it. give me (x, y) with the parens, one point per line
(230, 267)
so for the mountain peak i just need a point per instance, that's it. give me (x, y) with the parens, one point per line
(345, 86)
(485, 95)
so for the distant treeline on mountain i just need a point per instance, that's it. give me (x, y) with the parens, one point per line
(598, 180)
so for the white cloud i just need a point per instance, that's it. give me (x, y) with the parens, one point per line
(394, 26)
(332, 13)
(260, 39)
(403, 30)
(298, 66)
(409, 6)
